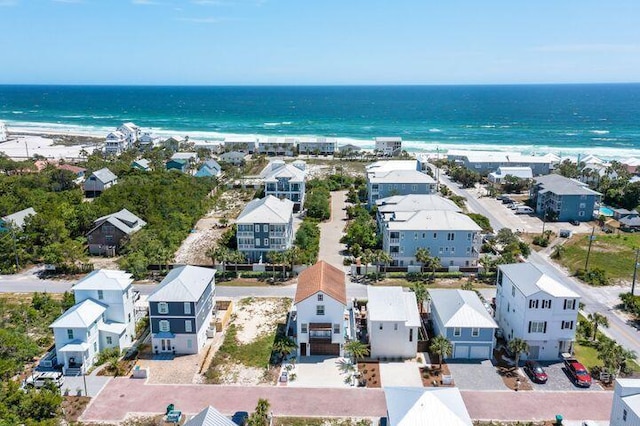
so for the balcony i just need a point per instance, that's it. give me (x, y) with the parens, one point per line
(394, 240)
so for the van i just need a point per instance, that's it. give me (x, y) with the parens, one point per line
(39, 380)
(524, 210)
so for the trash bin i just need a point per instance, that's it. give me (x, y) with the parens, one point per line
(170, 408)
(559, 419)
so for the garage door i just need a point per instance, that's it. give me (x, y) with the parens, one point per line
(325, 349)
(480, 352)
(461, 352)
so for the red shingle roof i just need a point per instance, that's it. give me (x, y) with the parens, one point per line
(322, 277)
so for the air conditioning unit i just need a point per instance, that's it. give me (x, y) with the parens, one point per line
(211, 332)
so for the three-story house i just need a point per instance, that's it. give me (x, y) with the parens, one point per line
(284, 180)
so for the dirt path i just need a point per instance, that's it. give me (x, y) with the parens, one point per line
(331, 231)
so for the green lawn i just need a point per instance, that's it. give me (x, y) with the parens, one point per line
(254, 354)
(586, 354)
(612, 253)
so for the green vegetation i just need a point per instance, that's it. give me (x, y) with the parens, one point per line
(361, 231)
(308, 241)
(612, 257)
(518, 347)
(482, 221)
(318, 203)
(441, 346)
(254, 354)
(631, 304)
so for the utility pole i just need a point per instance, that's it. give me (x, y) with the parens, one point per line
(437, 168)
(591, 238)
(15, 248)
(635, 271)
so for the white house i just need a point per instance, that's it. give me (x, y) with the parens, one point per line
(209, 417)
(317, 146)
(460, 316)
(284, 180)
(407, 406)
(532, 306)
(387, 207)
(181, 310)
(625, 410)
(393, 322)
(277, 146)
(244, 144)
(518, 172)
(115, 143)
(389, 146)
(131, 133)
(382, 184)
(148, 141)
(103, 317)
(320, 309)
(3, 132)
(236, 158)
(99, 181)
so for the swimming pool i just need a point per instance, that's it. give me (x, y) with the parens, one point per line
(606, 211)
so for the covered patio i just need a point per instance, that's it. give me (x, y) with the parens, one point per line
(74, 356)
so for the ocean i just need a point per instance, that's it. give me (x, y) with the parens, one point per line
(565, 119)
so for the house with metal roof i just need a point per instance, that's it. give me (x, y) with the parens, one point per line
(564, 199)
(393, 322)
(317, 146)
(408, 406)
(109, 232)
(236, 158)
(209, 417)
(277, 146)
(484, 162)
(388, 146)
(181, 310)
(210, 168)
(99, 181)
(103, 317)
(265, 225)
(537, 308)
(286, 180)
(499, 175)
(461, 317)
(17, 219)
(243, 144)
(141, 164)
(319, 309)
(387, 207)
(131, 133)
(382, 182)
(115, 143)
(625, 410)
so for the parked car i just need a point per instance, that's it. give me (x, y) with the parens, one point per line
(574, 222)
(523, 210)
(507, 200)
(565, 233)
(240, 418)
(39, 380)
(535, 371)
(577, 372)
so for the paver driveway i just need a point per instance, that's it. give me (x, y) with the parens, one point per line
(475, 375)
(558, 380)
(400, 374)
(323, 372)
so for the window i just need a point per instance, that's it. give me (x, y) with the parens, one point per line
(336, 328)
(303, 328)
(513, 290)
(411, 334)
(450, 236)
(70, 333)
(266, 241)
(415, 235)
(187, 308)
(163, 326)
(395, 327)
(624, 415)
(256, 228)
(533, 304)
(440, 250)
(265, 228)
(424, 235)
(129, 317)
(453, 250)
(163, 308)
(187, 326)
(320, 297)
(381, 326)
(475, 332)
(100, 294)
(583, 205)
(567, 325)
(581, 213)
(109, 340)
(435, 235)
(537, 326)
(457, 332)
(414, 188)
(469, 236)
(95, 346)
(546, 304)
(320, 310)
(569, 304)
(257, 242)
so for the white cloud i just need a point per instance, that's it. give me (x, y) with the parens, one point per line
(589, 48)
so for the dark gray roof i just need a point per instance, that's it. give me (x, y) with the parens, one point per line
(630, 221)
(561, 185)
(124, 220)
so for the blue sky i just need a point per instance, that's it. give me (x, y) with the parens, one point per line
(228, 42)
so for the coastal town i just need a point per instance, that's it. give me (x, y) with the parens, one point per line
(299, 281)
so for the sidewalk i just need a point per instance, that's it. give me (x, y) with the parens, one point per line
(331, 231)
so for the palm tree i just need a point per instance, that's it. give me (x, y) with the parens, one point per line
(518, 347)
(236, 257)
(598, 319)
(283, 346)
(293, 256)
(357, 349)
(366, 258)
(275, 257)
(424, 257)
(614, 356)
(441, 346)
(420, 291)
(384, 258)
(260, 416)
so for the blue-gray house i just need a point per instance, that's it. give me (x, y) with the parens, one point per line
(462, 318)
(564, 199)
(181, 310)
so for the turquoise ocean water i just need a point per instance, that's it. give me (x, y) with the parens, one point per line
(566, 119)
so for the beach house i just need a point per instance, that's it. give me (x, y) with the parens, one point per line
(142, 164)
(388, 146)
(17, 219)
(461, 317)
(387, 207)
(277, 146)
(563, 199)
(625, 410)
(244, 144)
(210, 168)
(115, 143)
(182, 161)
(385, 180)
(103, 317)
(110, 231)
(148, 141)
(286, 180)
(237, 158)
(3, 132)
(533, 306)
(209, 416)
(317, 146)
(451, 236)
(413, 406)
(349, 150)
(265, 225)
(499, 175)
(484, 162)
(131, 133)
(181, 310)
(393, 322)
(99, 181)
(320, 310)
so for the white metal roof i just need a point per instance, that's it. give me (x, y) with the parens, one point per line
(104, 175)
(183, 284)
(460, 308)
(415, 202)
(530, 280)
(392, 304)
(498, 157)
(519, 172)
(267, 210)
(75, 345)
(18, 218)
(209, 417)
(408, 406)
(105, 279)
(400, 176)
(389, 165)
(113, 327)
(184, 156)
(124, 220)
(430, 220)
(278, 169)
(80, 315)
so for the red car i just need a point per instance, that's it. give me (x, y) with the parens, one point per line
(535, 372)
(578, 373)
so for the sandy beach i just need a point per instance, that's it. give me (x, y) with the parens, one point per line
(23, 146)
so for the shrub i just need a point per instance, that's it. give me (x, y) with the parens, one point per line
(541, 240)
(596, 276)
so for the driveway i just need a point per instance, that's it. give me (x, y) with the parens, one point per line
(475, 375)
(331, 231)
(559, 380)
(94, 384)
(318, 372)
(400, 374)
